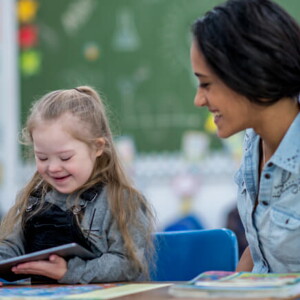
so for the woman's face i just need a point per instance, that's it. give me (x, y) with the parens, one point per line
(232, 111)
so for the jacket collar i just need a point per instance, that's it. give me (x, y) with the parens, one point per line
(287, 155)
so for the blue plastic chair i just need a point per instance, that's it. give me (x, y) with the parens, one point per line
(182, 255)
(187, 222)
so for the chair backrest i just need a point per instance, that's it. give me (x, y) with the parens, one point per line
(182, 255)
(187, 222)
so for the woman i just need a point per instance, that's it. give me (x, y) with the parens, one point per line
(246, 56)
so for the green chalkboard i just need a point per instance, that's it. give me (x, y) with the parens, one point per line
(134, 52)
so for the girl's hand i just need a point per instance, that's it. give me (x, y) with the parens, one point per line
(54, 268)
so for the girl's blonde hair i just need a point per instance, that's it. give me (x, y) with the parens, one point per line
(85, 104)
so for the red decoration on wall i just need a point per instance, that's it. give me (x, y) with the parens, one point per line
(28, 36)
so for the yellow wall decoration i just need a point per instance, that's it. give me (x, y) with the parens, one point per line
(210, 125)
(27, 10)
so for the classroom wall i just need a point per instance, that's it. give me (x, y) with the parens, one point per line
(9, 105)
(136, 53)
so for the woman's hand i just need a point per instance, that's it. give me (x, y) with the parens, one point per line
(246, 263)
(54, 268)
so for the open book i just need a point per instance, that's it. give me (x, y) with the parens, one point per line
(243, 285)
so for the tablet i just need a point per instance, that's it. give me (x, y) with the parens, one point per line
(66, 251)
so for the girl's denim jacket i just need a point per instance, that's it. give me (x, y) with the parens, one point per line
(273, 225)
(112, 263)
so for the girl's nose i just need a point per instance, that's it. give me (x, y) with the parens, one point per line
(200, 99)
(54, 166)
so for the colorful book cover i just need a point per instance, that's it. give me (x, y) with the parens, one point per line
(82, 291)
(25, 281)
(235, 280)
(239, 284)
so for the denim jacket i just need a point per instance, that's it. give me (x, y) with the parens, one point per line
(112, 263)
(273, 227)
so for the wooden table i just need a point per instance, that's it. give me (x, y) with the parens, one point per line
(159, 293)
(162, 294)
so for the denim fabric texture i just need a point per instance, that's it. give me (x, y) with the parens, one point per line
(273, 227)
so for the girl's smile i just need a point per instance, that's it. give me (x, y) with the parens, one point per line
(61, 179)
(64, 162)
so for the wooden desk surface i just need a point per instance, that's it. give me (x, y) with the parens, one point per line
(159, 293)
(162, 294)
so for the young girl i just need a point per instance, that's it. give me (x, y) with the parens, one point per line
(246, 56)
(80, 194)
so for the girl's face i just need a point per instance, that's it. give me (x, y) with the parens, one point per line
(63, 161)
(232, 111)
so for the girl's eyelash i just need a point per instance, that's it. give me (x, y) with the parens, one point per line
(65, 159)
(42, 159)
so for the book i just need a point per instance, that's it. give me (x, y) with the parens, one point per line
(81, 291)
(66, 251)
(21, 282)
(239, 285)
